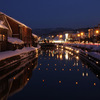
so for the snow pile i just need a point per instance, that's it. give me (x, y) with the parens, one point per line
(2, 26)
(15, 40)
(94, 54)
(8, 54)
(96, 48)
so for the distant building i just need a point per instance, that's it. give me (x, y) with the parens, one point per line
(16, 29)
(94, 31)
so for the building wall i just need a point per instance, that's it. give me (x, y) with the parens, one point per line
(21, 32)
(3, 39)
(15, 28)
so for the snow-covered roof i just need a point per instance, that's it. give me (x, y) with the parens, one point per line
(2, 26)
(15, 20)
(15, 40)
(34, 35)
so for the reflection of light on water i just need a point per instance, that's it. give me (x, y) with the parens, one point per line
(55, 69)
(87, 74)
(94, 84)
(52, 55)
(96, 75)
(57, 56)
(77, 64)
(49, 54)
(61, 57)
(76, 83)
(66, 55)
(62, 49)
(83, 74)
(77, 58)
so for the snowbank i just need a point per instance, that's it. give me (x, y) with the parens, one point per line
(94, 54)
(15, 40)
(7, 54)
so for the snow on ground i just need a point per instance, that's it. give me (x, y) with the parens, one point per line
(7, 54)
(15, 40)
(94, 54)
(95, 47)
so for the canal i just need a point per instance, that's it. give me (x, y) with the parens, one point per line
(59, 75)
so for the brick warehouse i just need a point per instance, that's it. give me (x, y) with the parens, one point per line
(17, 29)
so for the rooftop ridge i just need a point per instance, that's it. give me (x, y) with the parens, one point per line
(1, 13)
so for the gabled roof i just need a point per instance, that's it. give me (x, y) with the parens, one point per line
(15, 20)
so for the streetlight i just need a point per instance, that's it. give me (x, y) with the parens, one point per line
(97, 31)
(82, 33)
(78, 35)
(60, 36)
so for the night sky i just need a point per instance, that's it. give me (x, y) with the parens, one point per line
(53, 13)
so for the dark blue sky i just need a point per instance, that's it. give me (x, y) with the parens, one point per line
(53, 13)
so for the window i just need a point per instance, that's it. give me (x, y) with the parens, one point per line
(2, 37)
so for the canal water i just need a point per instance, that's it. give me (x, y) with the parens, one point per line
(59, 75)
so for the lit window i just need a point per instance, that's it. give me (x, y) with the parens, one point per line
(0, 37)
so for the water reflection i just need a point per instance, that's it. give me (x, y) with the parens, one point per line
(60, 75)
(75, 61)
(14, 78)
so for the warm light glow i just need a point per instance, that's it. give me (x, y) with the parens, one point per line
(78, 35)
(87, 74)
(27, 79)
(97, 31)
(42, 80)
(70, 69)
(66, 36)
(82, 33)
(57, 56)
(66, 56)
(94, 84)
(97, 62)
(59, 81)
(83, 74)
(38, 68)
(77, 51)
(61, 57)
(60, 36)
(77, 58)
(76, 83)
(77, 69)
